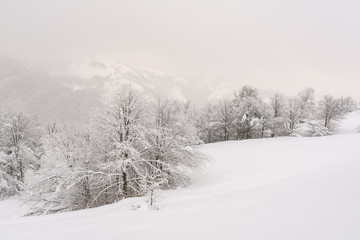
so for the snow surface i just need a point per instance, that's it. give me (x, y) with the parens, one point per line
(350, 124)
(11, 209)
(279, 188)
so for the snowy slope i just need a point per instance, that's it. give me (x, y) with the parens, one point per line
(11, 209)
(281, 188)
(350, 124)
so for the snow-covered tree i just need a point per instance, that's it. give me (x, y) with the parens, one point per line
(306, 101)
(329, 111)
(277, 124)
(248, 105)
(301, 108)
(63, 181)
(278, 105)
(132, 148)
(120, 143)
(22, 144)
(265, 120)
(20, 150)
(278, 127)
(293, 112)
(172, 133)
(152, 180)
(347, 105)
(9, 185)
(207, 124)
(137, 141)
(224, 119)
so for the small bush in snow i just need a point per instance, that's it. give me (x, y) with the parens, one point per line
(311, 129)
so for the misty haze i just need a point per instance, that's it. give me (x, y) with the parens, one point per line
(179, 119)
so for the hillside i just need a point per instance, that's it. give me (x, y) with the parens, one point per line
(279, 188)
(72, 90)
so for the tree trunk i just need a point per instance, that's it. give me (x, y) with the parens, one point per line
(124, 187)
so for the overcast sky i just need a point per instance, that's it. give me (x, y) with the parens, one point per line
(283, 44)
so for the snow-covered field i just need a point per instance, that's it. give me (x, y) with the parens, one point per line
(281, 188)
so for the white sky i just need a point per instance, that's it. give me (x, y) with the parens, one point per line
(283, 44)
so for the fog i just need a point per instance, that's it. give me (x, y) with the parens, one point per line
(282, 45)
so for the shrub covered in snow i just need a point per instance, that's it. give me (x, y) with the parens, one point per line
(311, 129)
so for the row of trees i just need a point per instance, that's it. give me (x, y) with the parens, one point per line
(133, 148)
(138, 144)
(247, 116)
